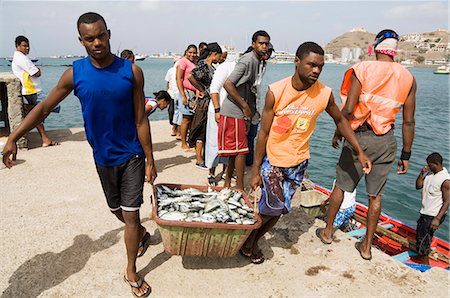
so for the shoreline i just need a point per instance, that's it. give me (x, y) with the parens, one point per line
(60, 239)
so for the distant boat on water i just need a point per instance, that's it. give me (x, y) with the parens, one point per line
(32, 60)
(138, 57)
(443, 69)
(282, 57)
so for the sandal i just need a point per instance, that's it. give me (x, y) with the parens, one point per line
(52, 143)
(144, 244)
(319, 235)
(358, 248)
(257, 258)
(137, 284)
(245, 254)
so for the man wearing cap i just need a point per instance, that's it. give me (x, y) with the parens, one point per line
(373, 92)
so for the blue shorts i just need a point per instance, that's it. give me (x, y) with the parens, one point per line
(184, 109)
(177, 116)
(279, 186)
(343, 216)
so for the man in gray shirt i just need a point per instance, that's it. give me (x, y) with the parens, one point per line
(239, 107)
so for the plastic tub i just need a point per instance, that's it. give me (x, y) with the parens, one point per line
(310, 202)
(198, 238)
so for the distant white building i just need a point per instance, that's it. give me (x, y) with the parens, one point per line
(358, 29)
(350, 54)
(423, 46)
(356, 52)
(412, 37)
(346, 54)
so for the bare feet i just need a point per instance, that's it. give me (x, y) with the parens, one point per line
(187, 149)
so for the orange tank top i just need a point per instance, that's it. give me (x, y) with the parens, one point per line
(384, 89)
(294, 121)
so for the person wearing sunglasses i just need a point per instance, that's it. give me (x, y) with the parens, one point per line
(372, 93)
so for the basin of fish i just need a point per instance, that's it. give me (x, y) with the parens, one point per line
(192, 205)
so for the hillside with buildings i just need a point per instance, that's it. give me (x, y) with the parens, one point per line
(429, 48)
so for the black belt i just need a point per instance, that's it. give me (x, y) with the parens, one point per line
(366, 127)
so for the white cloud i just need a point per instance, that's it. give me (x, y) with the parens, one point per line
(420, 11)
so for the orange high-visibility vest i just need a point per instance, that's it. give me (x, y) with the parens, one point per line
(294, 121)
(385, 86)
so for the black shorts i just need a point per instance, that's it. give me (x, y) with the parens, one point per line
(424, 234)
(123, 185)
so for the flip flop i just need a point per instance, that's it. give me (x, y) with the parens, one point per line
(52, 143)
(257, 258)
(358, 248)
(321, 238)
(245, 254)
(144, 244)
(137, 284)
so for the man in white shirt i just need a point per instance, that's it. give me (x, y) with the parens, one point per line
(28, 74)
(434, 179)
(175, 115)
(218, 94)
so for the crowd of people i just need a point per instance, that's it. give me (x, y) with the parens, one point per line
(216, 112)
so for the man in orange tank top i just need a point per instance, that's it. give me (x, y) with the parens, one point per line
(373, 92)
(282, 150)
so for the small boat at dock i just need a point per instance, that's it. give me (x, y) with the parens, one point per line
(392, 237)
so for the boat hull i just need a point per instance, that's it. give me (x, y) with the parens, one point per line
(401, 249)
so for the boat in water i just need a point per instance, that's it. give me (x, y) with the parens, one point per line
(34, 60)
(281, 57)
(138, 57)
(392, 237)
(443, 69)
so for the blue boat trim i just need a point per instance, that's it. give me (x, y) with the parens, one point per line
(362, 231)
(404, 255)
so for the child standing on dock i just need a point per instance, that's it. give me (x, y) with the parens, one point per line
(434, 179)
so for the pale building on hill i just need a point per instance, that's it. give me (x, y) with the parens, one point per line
(358, 29)
(411, 37)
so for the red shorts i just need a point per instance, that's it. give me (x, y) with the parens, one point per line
(232, 136)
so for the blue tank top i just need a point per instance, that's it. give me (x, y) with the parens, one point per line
(106, 97)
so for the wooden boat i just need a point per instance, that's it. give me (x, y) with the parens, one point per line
(397, 239)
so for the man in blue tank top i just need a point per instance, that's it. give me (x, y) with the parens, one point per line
(111, 94)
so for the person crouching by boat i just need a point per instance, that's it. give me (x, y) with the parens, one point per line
(346, 210)
(373, 92)
(161, 100)
(434, 180)
(282, 147)
(187, 91)
(201, 77)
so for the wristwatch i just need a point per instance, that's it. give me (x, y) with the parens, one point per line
(216, 110)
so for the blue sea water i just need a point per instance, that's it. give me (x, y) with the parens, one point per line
(401, 200)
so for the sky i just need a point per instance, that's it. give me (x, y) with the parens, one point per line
(149, 27)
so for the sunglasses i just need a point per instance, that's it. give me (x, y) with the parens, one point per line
(386, 35)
